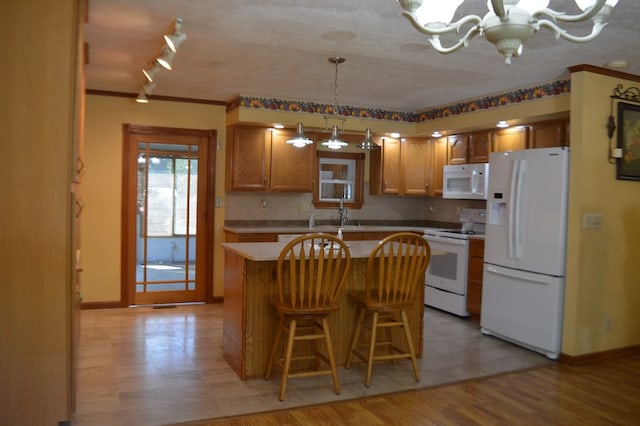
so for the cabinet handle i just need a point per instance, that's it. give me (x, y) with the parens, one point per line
(264, 179)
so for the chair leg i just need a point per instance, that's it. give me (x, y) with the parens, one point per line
(372, 348)
(407, 334)
(332, 361)
(287, 358)
(356, 336)
(274, 350)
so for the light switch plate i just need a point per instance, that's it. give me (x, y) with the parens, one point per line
(591, 221)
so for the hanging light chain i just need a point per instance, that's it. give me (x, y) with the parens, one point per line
(336, 60)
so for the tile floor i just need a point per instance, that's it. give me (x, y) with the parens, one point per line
(147, 367)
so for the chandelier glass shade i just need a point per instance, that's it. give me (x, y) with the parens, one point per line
(507, 24)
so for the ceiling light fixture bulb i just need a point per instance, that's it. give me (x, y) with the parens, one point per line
(334, 142)
(166, 57)
(436, 134)
(142, 98)
(502, 124)
(152, 72)
(300, 140)
(368, 142)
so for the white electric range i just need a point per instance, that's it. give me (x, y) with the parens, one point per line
(446, 276)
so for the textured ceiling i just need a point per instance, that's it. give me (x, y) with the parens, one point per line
(279, 49)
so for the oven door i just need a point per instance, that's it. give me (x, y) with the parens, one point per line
(448, 269)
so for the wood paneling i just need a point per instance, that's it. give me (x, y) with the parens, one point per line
(258, 283)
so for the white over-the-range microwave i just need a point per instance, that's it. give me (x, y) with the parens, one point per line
(466, 181)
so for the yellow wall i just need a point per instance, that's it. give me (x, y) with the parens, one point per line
(101, 186)
(603, 279)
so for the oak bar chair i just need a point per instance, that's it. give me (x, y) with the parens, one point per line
(311, 273)
(394, 277)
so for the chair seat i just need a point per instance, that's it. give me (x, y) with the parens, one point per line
(373, 303)
(288, 309)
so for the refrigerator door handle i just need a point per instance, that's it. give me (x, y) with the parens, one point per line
(517, 276)
(519, 210)
(512, 209)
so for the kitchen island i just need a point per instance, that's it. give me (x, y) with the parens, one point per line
(250, 320)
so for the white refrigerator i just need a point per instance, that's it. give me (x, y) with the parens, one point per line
(525, 247)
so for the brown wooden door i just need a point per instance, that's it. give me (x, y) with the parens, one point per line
(167, 215)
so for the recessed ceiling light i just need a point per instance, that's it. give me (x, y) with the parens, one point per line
(502, 124)
(436, 134)
(395, 135)
(278, 125)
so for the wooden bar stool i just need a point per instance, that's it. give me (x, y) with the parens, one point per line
(311, 272)
(395, 274)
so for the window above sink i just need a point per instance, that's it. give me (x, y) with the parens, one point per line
(339, 175)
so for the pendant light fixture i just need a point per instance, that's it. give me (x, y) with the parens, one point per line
(368, 143)
(299, 140)
(334, 142)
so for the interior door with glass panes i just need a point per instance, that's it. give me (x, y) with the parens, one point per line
(166, 233)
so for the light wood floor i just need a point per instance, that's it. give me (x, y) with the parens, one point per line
(606, 393)
(150, 367)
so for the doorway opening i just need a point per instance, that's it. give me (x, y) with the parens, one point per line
(167, 242)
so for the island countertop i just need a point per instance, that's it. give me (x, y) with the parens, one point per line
(271, 251)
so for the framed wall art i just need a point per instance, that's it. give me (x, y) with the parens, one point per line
(628, 167)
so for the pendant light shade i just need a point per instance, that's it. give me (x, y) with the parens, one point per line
(300, 140)
(166, 57)
(334, 142)
(368, 143)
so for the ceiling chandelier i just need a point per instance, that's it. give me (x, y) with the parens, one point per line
(508, 23)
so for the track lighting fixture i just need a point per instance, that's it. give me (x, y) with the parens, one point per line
(163, 61)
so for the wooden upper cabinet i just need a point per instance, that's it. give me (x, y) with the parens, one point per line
(261, 160)
(385, 175)
(291, 167)
(458, 148)
(415, 166)
(511, 139)
(479, 147)
(437, 160)
(247, 159)
(551, 133)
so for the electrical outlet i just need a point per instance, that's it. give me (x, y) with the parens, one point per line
(591, 221)
(305, 206)
(218, 202)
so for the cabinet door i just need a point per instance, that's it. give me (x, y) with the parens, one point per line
(437, 161)
(414, 158)
(479, 147)
(512, 139)
(474, 277)
(458, 149)
(550, 134)
(291, 167)
(247, 155)
(390, 166)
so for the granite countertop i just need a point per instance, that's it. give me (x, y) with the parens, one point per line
(320, 228)
(271, 251)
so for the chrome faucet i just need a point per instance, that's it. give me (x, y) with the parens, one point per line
(342, 212)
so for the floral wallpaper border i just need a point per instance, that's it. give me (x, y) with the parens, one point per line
(556, 88)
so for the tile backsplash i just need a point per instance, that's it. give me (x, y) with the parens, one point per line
(265, 206)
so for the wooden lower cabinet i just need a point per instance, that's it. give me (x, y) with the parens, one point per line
(474, 276)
